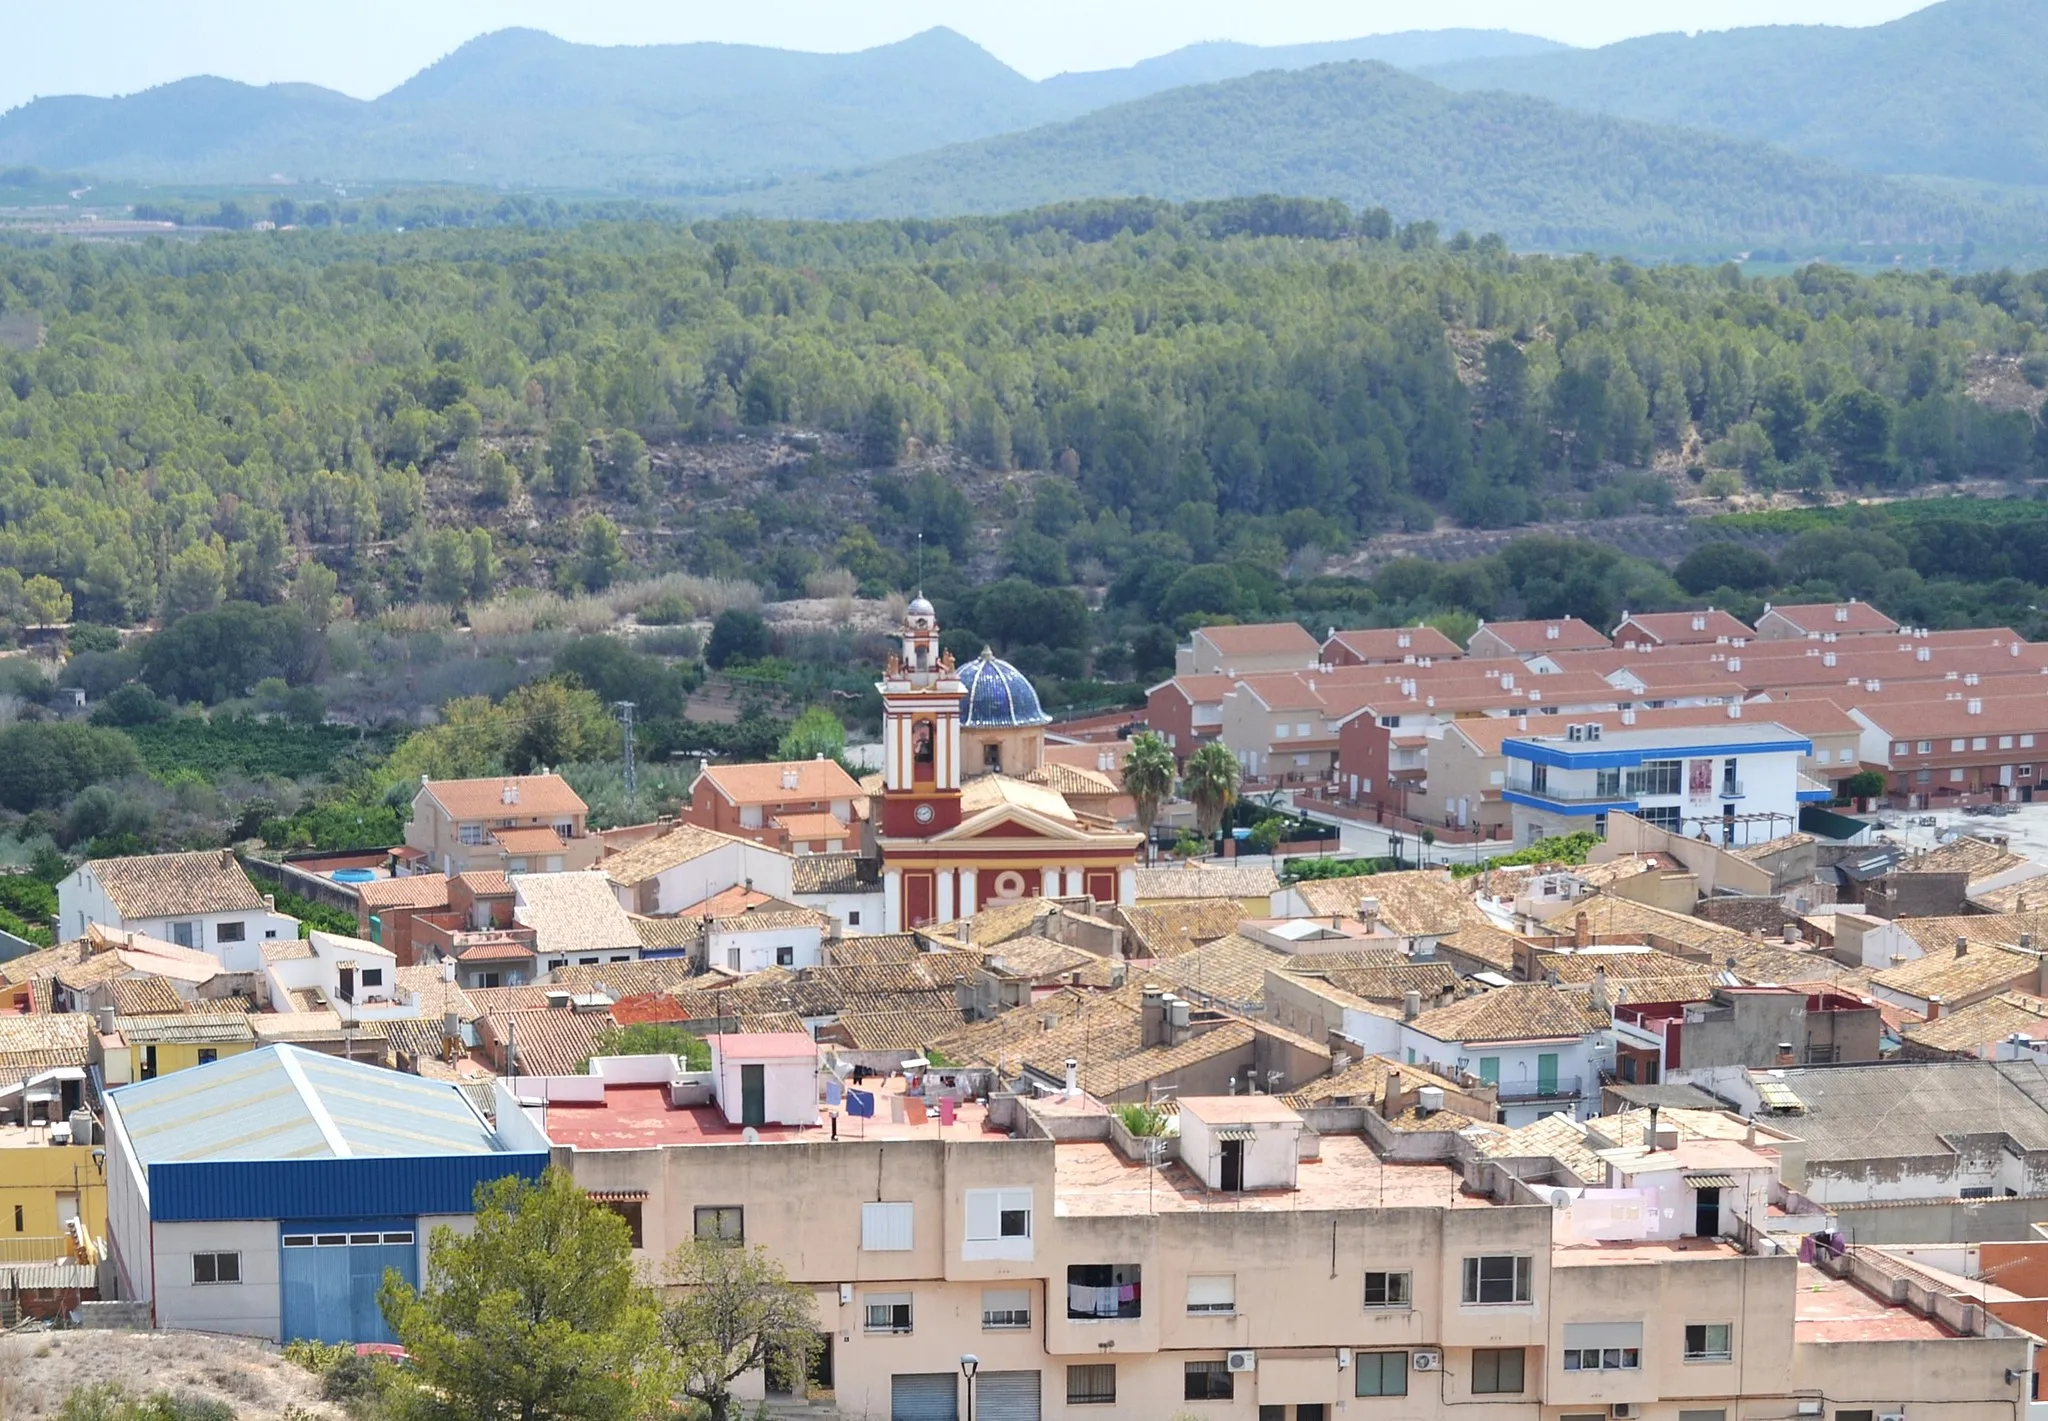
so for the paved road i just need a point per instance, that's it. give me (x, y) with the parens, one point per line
(1375, 841)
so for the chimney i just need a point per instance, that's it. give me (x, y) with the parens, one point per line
(270, 902)
(1785, 1055)
(1411, 1005)
(1598, 994)
(1791, 934)
(1073, 1079)
(106, 1024)
(1393, 1099)
(448, 969)
(510, 793)
(1369, 913)
(1650, 1131)
(1178, 1028)
(1962, 947)
(1152, 1017)
(1582, 931)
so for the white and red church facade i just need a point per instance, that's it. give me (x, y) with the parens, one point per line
(957, 824)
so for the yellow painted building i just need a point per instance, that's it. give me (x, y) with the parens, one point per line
(43, 1188)
(141, 1048)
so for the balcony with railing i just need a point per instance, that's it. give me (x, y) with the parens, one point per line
(1540, 1088)
(1602, 792)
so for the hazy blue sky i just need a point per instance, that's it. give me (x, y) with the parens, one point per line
(364, 47)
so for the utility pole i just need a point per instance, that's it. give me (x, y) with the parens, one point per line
(625, 710)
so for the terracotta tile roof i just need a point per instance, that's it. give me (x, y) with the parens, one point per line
(1820, 617)
(435, 996)
(1262, 639)
(1386, 643)
(769, 782)
(1036, 958)
(101, 967)
(1971, 857)
(1556, 1137)
(726, 902)
(1753, 852)
(1167, 928)
(1944, 977)
(323, 1025)
(552, 1041)
(414, 1036)
(204, 1027)
(2013, 898)
(1072, 779)
(1483, 942)
(771, 916)
(1229, 972)
(1283, 691)
(1205, 689)
(146, 996)
(1577, 968)
(286, 949)
(43, 964)
(537, 795)
(1364, 1082)
(1419, 902)
(1390, 982)
(984, 792)
(2019, 708)
(629, 979)
(487, 1000)
(414, 890)
(1677, 629)
(494, 949)
(652, 857)
(805, 828)
(1940, 934)
(874, 950)
(534, 839)
(1192, 882)
(571, 912)
(1527, 1011)
(175, 885)
(485, 883)
(814, 874)
(668, 934)
(41, 1042)
(1109, 1076)
(1976, 1029)
(1535, 636)
(894, 1030)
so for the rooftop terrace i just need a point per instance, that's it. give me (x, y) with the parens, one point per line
(639, 1117)
(1092, 1180)
(1836, 1310)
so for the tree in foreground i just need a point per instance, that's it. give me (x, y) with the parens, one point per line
(652, 1038)
(816, 734)
(734, 1312)
(535, 1316)
(1148, 777)
(1210, 783)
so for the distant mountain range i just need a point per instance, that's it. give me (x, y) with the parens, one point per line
(522, 107)
(1487, 129)
(1959, 89)
(1368, 134)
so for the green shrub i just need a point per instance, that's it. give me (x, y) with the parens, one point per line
(665, 611)
(1141, 1120)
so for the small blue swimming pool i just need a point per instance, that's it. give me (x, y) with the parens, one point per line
(355, 875)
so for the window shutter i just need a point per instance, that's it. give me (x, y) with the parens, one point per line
(984, 1213)
(885, 1228)
(1471, 1280)
(1213, 1292)
(1603, 1334)
(1525, 1271)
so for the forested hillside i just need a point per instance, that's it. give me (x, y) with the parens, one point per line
(434, 414)
(1958, 89)
(1365, 133)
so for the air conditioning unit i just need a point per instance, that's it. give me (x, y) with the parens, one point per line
(1891, 1416)
(1241, 1361)
(1622, 1411)
(1810, 1407)
(1428, 1361)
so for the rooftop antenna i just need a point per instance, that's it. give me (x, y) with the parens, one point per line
(920, 562)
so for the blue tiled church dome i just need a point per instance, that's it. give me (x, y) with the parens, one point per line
(998, 694)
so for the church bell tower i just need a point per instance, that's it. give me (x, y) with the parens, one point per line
(921, 697)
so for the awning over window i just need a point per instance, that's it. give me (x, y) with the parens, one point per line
(1235, 1132)
(1709, 1181)
(616, 1196)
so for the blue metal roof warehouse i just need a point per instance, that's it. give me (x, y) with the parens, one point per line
(268, 1192)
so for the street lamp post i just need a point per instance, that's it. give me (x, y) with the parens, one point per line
(969, 1364)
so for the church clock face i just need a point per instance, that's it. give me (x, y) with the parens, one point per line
(924, 814)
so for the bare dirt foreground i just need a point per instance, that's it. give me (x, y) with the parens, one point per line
(39, 1369)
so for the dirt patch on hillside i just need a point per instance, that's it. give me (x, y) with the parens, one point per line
(1995, 382)
(39, 1369)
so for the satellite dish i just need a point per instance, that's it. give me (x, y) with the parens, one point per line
(751, 1135)
(1559, 1199)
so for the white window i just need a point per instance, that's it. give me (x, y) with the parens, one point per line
(2005, 742)
(1211, 1293)
(228, 932)
(1899, 747)
(1387, 1290)
(1498, 777)
(216, 1268)
(1005, 1309)
(1602, 1359)
(1977, 742)
(1301, 731)
(1926, 747)
(885, 1312)
(1955, 776)
(1956, 746)
(1498, 1278)
(1280, 731)
(885, 1228)
(1300, 760)
(2026, 742)
(1603, 1346)
(998, 1224)
(471, 834)
(1708, 1342)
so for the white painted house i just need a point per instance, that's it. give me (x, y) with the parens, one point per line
(1542, 1047)
(1733, 784)
(198, 900)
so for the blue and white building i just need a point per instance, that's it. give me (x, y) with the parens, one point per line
(1735, 784)
(266, 1194)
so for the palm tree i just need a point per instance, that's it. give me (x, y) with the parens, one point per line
(1210, 782)
(1148, 778)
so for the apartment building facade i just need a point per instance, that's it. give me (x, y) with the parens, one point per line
(508, 824)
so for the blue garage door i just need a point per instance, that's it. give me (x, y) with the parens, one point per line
(331, 1273)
